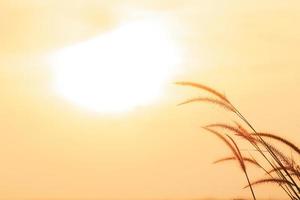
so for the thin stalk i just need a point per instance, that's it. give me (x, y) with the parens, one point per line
(246, 174)
(271, 152)
(287, 191)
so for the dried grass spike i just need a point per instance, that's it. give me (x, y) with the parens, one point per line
(234, 151)
(235, 130)
(209, 100)
(204, 87)
(280, 139)
(249, 160)
(270, 180)
(288, 168)
(284, 159)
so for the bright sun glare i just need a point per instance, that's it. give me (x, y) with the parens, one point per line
(119, 70)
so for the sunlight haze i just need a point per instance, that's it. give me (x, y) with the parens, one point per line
(119, 70)
(88, 100)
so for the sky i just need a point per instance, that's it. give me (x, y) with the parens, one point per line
(51, 148)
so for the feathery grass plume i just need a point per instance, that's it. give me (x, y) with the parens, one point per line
(270, 180)
(280, 139)
(279, 155)
(232, 148)
(241, 127)
(204, 87)
(298, 168)
(230, 158)
(283, 161)
(246, 134)
(209, 100)
(288, 168)
(234, 129)
(296, 174)
(225, 126)
(285, 189)
(273, 156)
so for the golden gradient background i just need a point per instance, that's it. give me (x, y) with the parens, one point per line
(51, 149)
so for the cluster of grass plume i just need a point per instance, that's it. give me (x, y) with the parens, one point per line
(279, 168)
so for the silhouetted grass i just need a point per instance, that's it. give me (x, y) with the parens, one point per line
(283, 170)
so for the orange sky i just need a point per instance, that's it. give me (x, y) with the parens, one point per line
(53, 149)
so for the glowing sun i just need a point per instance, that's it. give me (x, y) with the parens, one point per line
(119, 70)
